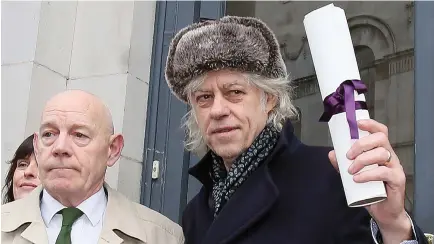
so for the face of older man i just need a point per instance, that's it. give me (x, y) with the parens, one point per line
(230, 113)
(74, 146)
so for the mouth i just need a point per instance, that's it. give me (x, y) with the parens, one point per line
(224, 130)
(61, 168)
(27, 185)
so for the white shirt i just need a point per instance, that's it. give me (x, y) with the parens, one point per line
(85, 229)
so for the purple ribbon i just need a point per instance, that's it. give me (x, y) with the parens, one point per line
(342, 100)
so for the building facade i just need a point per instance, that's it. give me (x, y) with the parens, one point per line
(101, 47)
(117, 51)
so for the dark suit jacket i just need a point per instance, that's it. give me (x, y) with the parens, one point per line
(295, 197)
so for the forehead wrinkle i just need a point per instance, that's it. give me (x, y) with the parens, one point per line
(63, 110)
(50, 111)
(84, 118)
(230, 78)
(49, 121)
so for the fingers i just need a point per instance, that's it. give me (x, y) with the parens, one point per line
(372, 126)
(333, 160)
(374, 149)
(378, 155)
(378, 139)
(395, 178)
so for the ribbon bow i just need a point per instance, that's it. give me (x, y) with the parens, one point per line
(342, 100)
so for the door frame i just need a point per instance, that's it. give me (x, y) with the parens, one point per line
(424, 115)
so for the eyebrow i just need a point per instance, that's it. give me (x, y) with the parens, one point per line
(201, 90)
(51, 124)
(233, 83)
(225, 86)
(48, 124)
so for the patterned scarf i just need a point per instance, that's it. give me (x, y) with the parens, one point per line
(226, 183)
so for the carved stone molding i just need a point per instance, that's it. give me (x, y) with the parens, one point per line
(291, 56)
(305, 86)
(409, 7)
(393, 64)
(354, 23)
(372, 22)
(401, 62)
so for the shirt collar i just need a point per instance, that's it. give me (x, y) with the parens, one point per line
(49, 207)
(94, 207)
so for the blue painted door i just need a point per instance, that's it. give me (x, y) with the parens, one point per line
(170, 187)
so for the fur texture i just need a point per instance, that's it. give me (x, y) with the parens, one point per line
(241, 43)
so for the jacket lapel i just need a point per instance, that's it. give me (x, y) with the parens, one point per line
(22, 212)
(249, 203)
(26, 211)
(120, 215)
(108, 236)
(35, 233)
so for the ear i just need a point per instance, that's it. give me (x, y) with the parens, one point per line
(36, 145)
(271, 102)
(115, 149)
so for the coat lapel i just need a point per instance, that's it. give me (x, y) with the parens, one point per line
(249, 203)
(108, 236)
(121, 216)
(26, 211)
(35, 233)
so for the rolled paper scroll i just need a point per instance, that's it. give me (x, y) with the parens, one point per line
(342, 93)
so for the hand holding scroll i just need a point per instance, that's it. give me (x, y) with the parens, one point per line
(375, 148)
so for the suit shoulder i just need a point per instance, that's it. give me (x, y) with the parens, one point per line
(15, 213)
(11, 207)
(8, 207)
(156, 220)
(8, 211)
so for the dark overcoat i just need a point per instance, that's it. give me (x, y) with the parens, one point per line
(295, 196)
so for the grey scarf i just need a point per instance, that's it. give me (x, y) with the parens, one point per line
(226, 183)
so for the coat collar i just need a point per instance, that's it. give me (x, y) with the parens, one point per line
(121, 215)
(244, 208)
(25, 211)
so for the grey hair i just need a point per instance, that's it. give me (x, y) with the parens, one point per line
(278, 87)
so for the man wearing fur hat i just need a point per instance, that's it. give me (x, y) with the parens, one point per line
(260, 183)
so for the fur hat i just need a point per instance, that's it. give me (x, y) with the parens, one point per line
(241, 43)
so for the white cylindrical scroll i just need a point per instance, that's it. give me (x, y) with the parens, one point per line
(335, 61)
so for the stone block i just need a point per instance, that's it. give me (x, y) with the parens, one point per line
(102, 38)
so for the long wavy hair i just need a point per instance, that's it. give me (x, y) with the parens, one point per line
(24, 151)
(279, 87)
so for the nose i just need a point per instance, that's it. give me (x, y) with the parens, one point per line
(61, 146)
(219, 108)
(31, 171)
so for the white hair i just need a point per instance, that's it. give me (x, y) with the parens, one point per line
(278, 87)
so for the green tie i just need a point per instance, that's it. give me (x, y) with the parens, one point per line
(70, 215)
